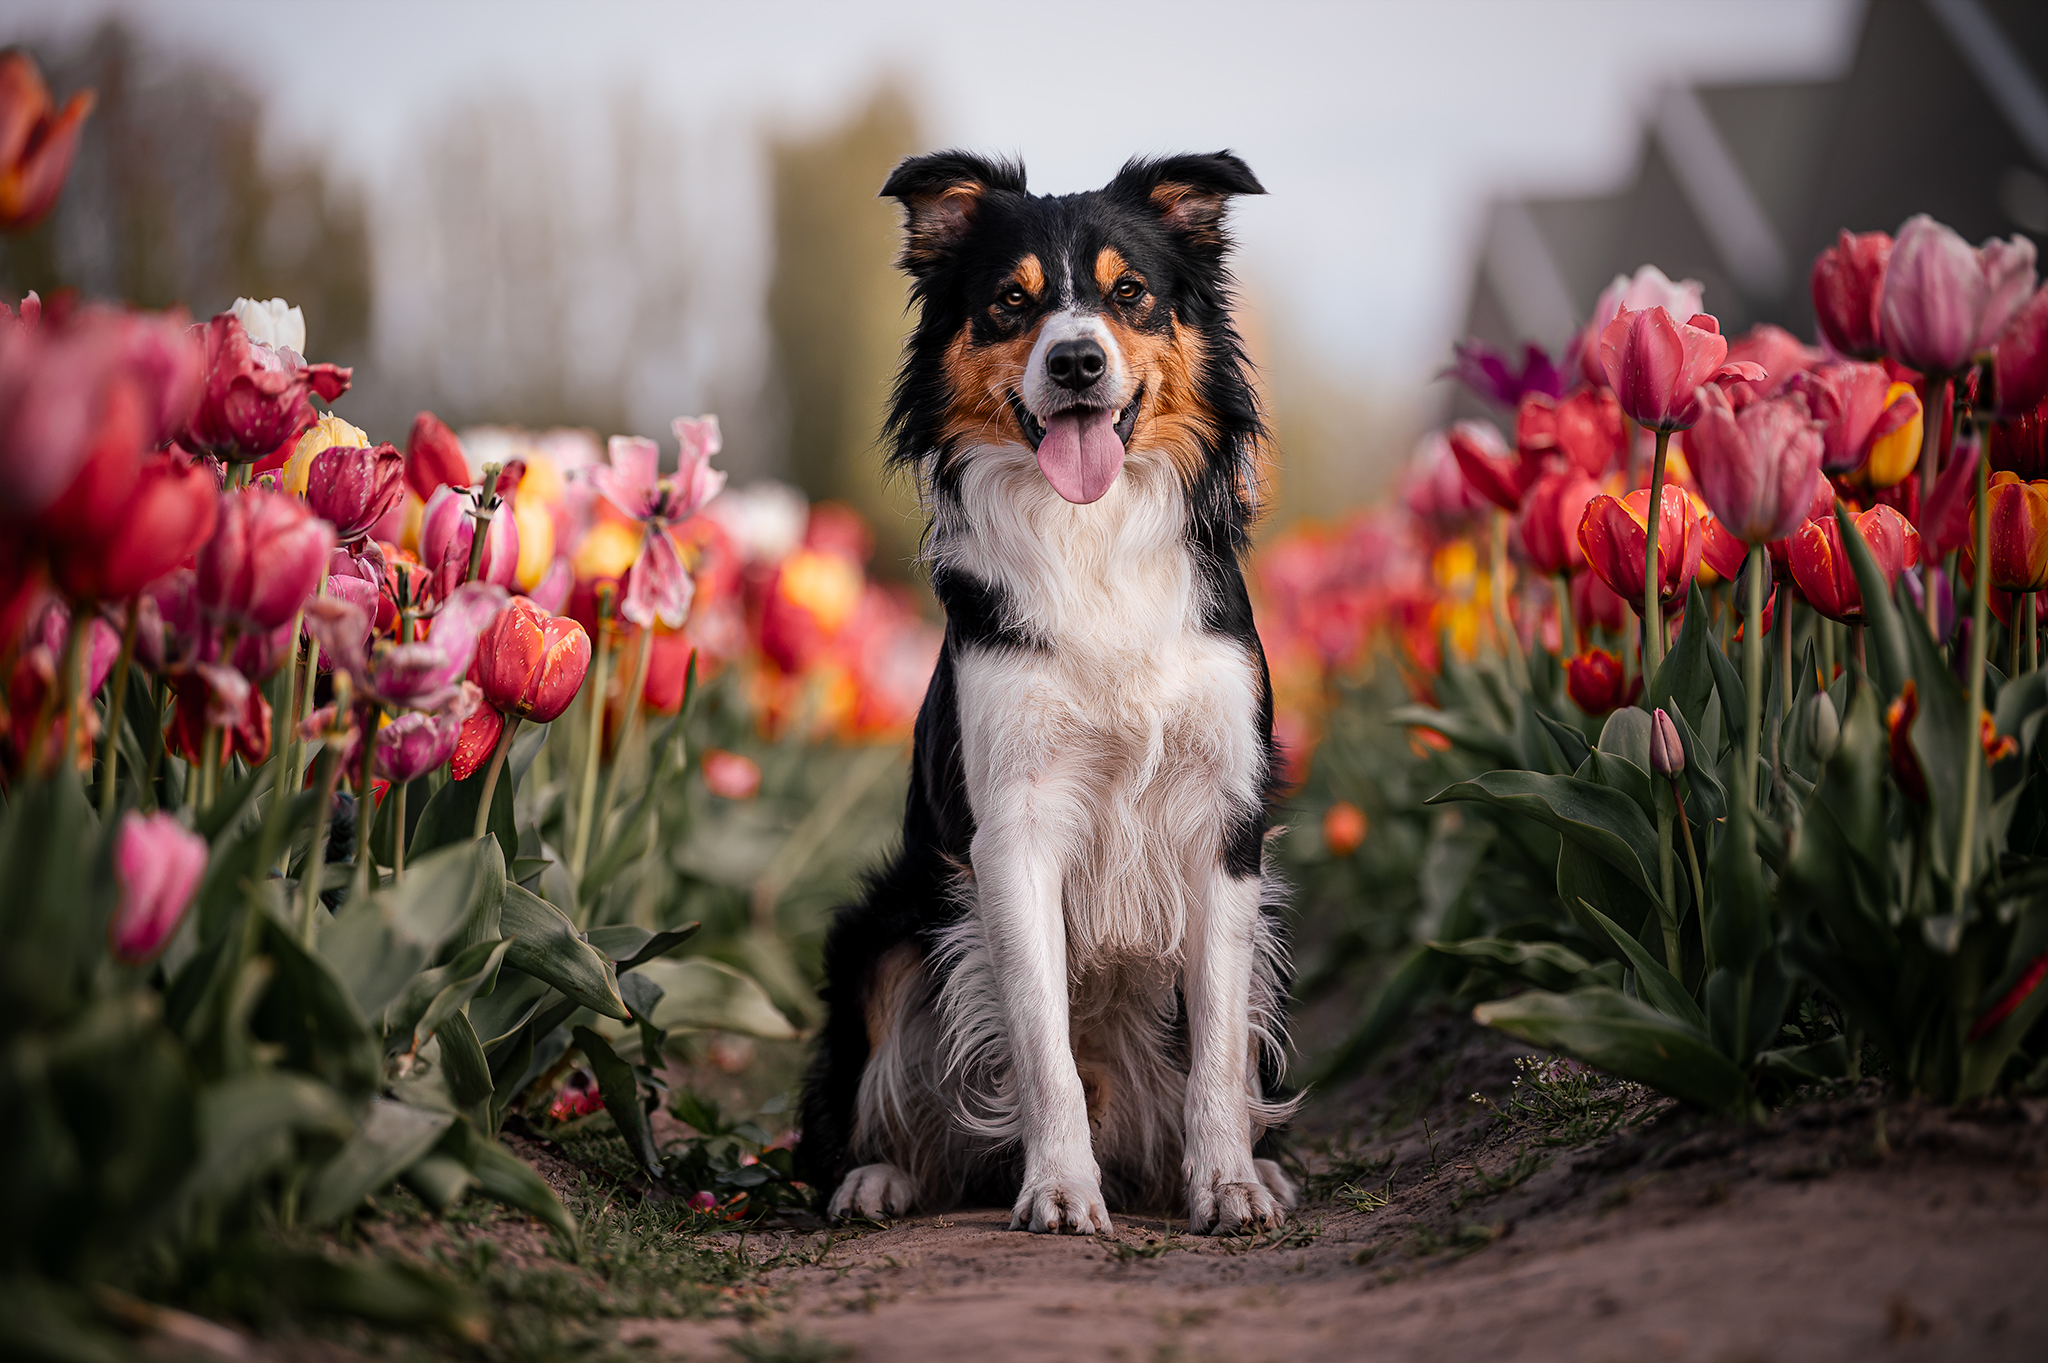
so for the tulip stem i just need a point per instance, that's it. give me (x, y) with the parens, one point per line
(586, 799)
(316, 855)
(366, 874)
(1932, 412)
(210, 744)
(2027, 614)
(1667, 883)
(483, 804)
(1753, 669)
(110, 769)
(630, 724)
(398, 789)
(1567, 637)
(1973, 760)
(1781, 626)
(1827, 653)
(1653, 614)
(2015, 601)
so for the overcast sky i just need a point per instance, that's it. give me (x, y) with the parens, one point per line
(1379, 129)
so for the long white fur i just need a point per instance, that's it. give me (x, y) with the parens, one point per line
(1103, 773)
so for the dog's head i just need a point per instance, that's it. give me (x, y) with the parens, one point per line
(1088, 328)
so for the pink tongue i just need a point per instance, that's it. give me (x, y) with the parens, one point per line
(1080, 455)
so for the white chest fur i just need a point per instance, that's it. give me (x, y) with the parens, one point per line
(1124, 748)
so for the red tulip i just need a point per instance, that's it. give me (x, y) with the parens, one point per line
(2019, 535)
(2020, 444)
(1848, 286)
(1586, 428)
(730, 776)
(668, 670)
(168, 514)
(264, 559)
(1344, 827)
(1434, 489)
(211, 696)
(159, 864)
(1757, 467)
(1647, 288)
(1857, 407)
(531, 664)
(1658, 366)
(476, 741)
(1615, 535)
(351, 489)
(1945, 301)
(1549, 527)
(257, 396)
(1821, 568)
(2019, 362)
(1593, 680)
(37, 142)
(1905, 763)
(1777, 352)
(1491, 470)
(1595, 606)
(434, 458)
(1721, 551)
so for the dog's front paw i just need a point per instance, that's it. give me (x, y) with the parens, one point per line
(874, 1191)
(1223, 1205)
(1070, 1203)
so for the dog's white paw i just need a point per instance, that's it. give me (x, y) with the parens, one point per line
(1278, 1184)
(874, 1191)
(1067, 1203)
(1222, 1205)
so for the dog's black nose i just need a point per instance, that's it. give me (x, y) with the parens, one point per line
(1075, 364)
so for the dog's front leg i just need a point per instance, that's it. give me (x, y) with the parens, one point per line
(1226, 1189)
(1017, 891)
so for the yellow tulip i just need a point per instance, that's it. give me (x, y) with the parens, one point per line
(328, 432)
(1894, 456)
(608, 550)
(536, 539)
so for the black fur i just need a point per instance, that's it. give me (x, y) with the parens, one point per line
(969, 220)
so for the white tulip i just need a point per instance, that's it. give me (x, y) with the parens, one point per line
(276, 323)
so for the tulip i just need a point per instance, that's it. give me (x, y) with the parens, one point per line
(1944, 599)
(1821, 568)
(1667, 752)
(531, 664)
(1433, 489)
(1549, 527)
(1484, 459)
(2020, 444)
(2019, 362)
(1615, 536)
(477, 741)
(163, 521)
(1905, 763)
(264, 559)
(1721, 551)
(1857, 405)
(1594, 681)
(434, 458)
(448, 531)
(659, 587)
(2019, 535)
(731, 776)
(1848, 287)
(418, 741)
(1658, 366)
(327, 433)
(1586, 428)
(159, 864)
(1489, 374)
(256, 396)
(1344, 827)
(356, 575)
(416, 676)
(1648, 288)
(1946, 301)
(1594, 604)
(351, 488)
(37, 142)
(1774, 350)
(211, 696)
(1757, 467)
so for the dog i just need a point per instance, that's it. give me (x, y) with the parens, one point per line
(1068, 987)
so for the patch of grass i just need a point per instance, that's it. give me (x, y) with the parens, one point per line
(1366, 1199)
(1564, 1103)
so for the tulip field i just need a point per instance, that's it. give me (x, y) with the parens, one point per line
(373, 816)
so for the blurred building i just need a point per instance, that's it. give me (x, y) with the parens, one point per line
(1943, 110)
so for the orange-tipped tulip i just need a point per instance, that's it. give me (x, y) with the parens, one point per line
(1821, 568)
(2019, 535)
(531, 664)
(1614, 534)
(37, 142)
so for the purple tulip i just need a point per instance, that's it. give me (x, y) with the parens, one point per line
(1945, 301)
(1490, 374)
(351, 489)
(416, 676)
(159, 864)
(418, 741)
(1667, 754)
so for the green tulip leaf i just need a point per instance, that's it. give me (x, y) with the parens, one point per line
(450, 817)
(393, 1136)
(621, 1090)
(504, 1177)
(1546, 965)
(1685, 680)
(1659, 986)
(434, 994)
(628, 946)
(709, 995)
(1465, 732)
(1607, 823)
(546, 945)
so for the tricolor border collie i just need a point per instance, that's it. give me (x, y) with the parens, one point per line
(1067, 990)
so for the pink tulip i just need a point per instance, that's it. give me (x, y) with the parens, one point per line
(1777, 352)
(1436, 492)
(1848, 286)
(448, 530)
(420, 740)
(731, 776)
(1658, 366)
(355, 576)
(1946, 301)
(264, 559)
(551, 593)
(256, 396)
(351, 489)
(1647, 288)
(417, 676)
(159, 864)
(53, 631)
(1494, 472)
(1667, 752)
(1756, 468)
(1849, 399)
(659, 587)
(2019, 362)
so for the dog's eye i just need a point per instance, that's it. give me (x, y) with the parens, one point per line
(1014, 296)
(1129, 290)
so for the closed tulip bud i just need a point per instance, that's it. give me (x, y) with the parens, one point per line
(731, 776)
(1667, 752)
(1344, 827)
(2019, 535)
(159, 864)
(264, 559)
(531, 664)
(37, 142)
(352, 488)
(434, 458)
(1946, 301)
(1593, 679)
(1648, 288)
(1823, 726)
(1821, 568)
(1657, 365)
(1848, 286)
(1615, 536)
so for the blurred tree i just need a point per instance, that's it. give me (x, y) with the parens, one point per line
(172, 200)
(836, 312)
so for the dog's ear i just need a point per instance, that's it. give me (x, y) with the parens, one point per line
(941, 194)
(1189, 193)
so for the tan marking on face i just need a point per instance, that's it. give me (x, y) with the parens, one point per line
(1174, 421)
(889, 990)
(1030, 276)
(1110, 266)
(981, 379)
